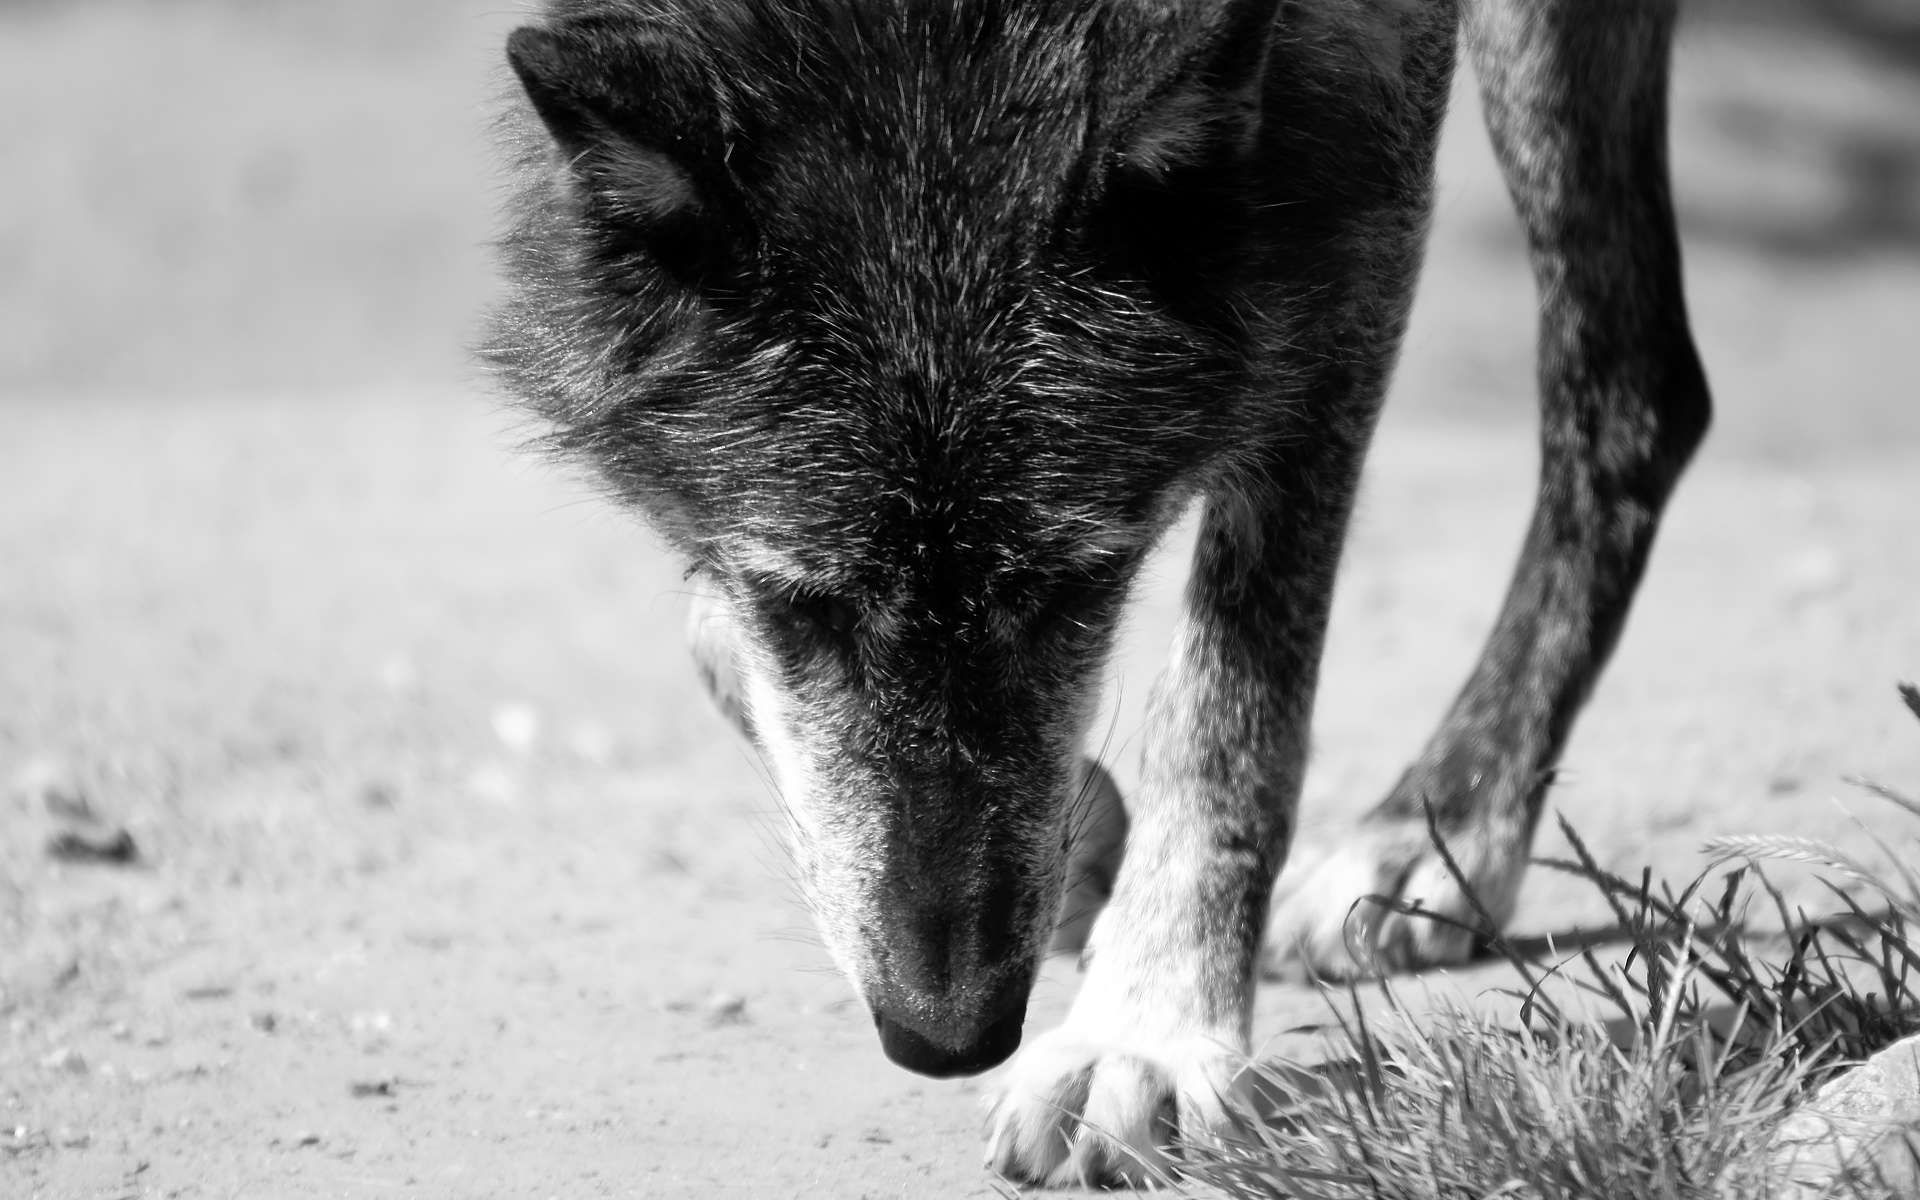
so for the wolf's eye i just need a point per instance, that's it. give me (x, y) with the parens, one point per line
(830, 613)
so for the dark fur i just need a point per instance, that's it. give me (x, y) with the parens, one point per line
(945, 308)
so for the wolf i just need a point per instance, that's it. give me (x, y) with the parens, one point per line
(914, 324)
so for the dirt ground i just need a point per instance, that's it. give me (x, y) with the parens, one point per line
(450, 883)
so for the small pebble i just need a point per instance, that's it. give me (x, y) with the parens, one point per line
(723, 1008)
(517, 726)
(26, 1139)
(93, 845)
(307, 1139)
(66, 1059)
(370, 1022)
(73, 1139)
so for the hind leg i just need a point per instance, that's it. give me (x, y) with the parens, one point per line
(1576, 101)
(1099, 841)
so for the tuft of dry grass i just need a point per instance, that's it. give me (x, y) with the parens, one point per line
(1675, 1095)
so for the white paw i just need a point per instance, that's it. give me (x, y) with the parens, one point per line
(1321, 923)
(1074, 1112)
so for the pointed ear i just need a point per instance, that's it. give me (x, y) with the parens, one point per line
(630, 109)
(1211, 109)
(543, 63)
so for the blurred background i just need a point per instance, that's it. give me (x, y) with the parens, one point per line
(441, 875)
(243, 195)
(208, 196)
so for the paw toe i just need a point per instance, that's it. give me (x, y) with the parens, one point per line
(1033, 1119)
(1076, 1114)
(1128, 1126)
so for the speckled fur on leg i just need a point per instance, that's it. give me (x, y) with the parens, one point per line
(1575, 95)
(1152, 1050)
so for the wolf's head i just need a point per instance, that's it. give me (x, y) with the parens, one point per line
(912, 324)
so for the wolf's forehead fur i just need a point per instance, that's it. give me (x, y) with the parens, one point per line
(910, 338)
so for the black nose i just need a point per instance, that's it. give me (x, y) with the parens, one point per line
(990, 1046)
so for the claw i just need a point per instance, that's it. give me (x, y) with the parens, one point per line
(1075, 1114)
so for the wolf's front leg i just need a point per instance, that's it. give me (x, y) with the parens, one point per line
(1153, 1048)
(1576, 100)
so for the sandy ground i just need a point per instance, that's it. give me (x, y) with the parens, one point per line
(450, 883)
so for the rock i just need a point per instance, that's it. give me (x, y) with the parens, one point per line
(724, 1008)
(82, 836)
(1867, 1119)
